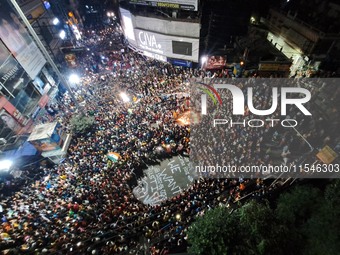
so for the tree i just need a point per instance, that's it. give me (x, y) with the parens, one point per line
(322, 229)
(263, 234)
(250, 229)
(305, 221)
(295, 207)
(216, 233)
(293, 210)
(81, 123)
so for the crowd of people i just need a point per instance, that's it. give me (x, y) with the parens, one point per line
(85, 205)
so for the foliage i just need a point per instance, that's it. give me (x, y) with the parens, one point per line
(81, 123)
(295, 207)
(305, 221)
(322, 229)
(247, 230)
(215, 233)
(262, 233)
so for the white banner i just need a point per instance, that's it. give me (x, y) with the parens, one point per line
(165, 45)
(19, 42)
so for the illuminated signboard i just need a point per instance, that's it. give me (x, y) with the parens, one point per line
(155, 56)
(15, 36)
(148, 41)
(190, 5)
(167, 45)
(127, 24)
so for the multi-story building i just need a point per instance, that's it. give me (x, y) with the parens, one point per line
(306, 37)
(27, 83)
(167, 31)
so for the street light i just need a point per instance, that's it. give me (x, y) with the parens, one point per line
(204, 60)
(5, 165)
(110, 14)
(74, 78)
(55, 21)
(124, 97)
(62, 34)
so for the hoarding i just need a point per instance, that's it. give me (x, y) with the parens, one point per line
(273, 67)
(168, 27)
(8, 121)
(18, 41)
(127, 24)
(190, 5)
(167, 45)
(12, 111)
(47, 137)
(215, 62)
(13, 77)
(48, 76)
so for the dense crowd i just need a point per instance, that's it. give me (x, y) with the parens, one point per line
(85, 205)
(265, 140)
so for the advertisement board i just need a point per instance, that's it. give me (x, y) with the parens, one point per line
(215, 62)
(47, 137)
(190, 5)
(166, 45)
(167, 27)
(271, 66)
(12, 76)
(48, 77)
(7, 121)
(14, 112)
(127, 25)
(71, 60)
(18, 41)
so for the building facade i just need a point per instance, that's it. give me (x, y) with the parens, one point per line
(163, 31)
(309, 45)
(27, 83)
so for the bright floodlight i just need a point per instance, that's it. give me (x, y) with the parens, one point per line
(5, 165)
(62, 34)
(55, 21)
(74, 78)
(124, 97)
(204, 59)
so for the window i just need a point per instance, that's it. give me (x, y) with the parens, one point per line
(182, 48)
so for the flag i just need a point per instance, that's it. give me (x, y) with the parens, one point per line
(113, 156)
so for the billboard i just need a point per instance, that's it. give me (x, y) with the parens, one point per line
(18, 41)
(275, 66)
(13, 112)
(13, 77)
(215, 62)
(127, 24)
(47, 137)
(168, 27)
(167, 45)
(7, 121)
(71, 60)
(190, 5)
(49, 78)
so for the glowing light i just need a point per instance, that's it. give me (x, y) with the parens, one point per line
(124, 97)
(74, 78)
(5, 165)
(204, 59)
(110, 14)
(55, 21)
(62, 34)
